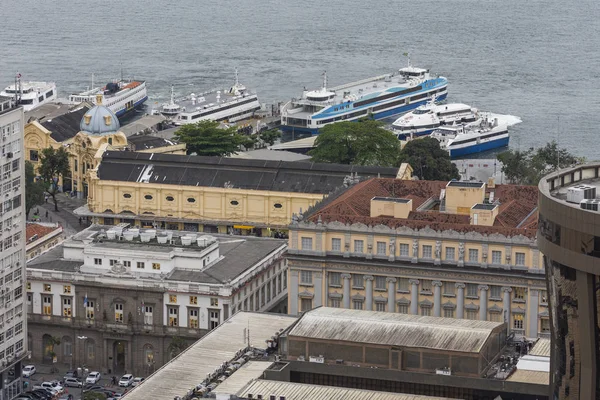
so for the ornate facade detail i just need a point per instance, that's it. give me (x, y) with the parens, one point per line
(346, 276)
(436, 283)
(368, 277)
(414, 282)
(506, 289)
(391, 280)
(460, 285)
(483, 287)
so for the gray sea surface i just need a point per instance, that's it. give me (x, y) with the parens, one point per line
(535, 59)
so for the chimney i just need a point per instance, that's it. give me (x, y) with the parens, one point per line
(491, 182)
(391, 207)
(461, 196)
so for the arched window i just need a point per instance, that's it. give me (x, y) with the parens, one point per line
(67, 345)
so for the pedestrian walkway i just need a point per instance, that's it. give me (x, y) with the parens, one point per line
(70, 222)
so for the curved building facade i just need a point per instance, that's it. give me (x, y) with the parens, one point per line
(569, 238)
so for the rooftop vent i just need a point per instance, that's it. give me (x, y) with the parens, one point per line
(589, 204)
(580, 192)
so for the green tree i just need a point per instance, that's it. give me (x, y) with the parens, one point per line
(269, 136)
(360, 143)
(428, 160)
(53, 342)
(529, 166)
(54, 164)
(176, 346)
(206, 138)
(34, 191)
(93, 396)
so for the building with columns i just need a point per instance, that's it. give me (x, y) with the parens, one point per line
(116, 297)
(446, 249)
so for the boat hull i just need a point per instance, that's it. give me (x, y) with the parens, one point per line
(125, 111)
(480, 147)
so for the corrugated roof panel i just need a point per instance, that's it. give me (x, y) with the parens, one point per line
(541, 348)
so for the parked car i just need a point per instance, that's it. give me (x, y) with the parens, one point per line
(115, 396)
(43, 393)
(126, 380)
(73, 382)
(90, 387)
(93, 377)
(53, 385)
(70, 374)
(137, 380)
(28, 370)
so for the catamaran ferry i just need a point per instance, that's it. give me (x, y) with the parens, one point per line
(122, 96)
(475, 137)
(378, 97)
(231, 105)
(30, 94)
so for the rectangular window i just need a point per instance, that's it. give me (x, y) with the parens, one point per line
(214, 319)
(403, 308)
(380, 282)
(173, 313)
(448, 313)
(148, 315)
(426, 311)
(404, 249)
(172, 298)
(473, 255)
(66, 307)
(193, 318)
(67, 289)
(449, 288)
(495, 292)
(450, 253)
(519, 293)
(18, 328)
(127, 264)
(495, 317)
(33, 156)
(193, 299)
(357, 281)
(214, 302)
(357, 304)
(472, 290)
(112, 262)
(359, 246)
(306, 277)
(119, 313)
(403, 285)
(544, 325)
(472, 314)
(307, 243)
(381, 248)
(89, 309)
(335, 279)
(47, 305)
(543, 297)
(518, 321)
(520, 259)
(496, 257)
(427, 251)
(336, 244)
(155, 266)
(140, 264)
(97, 261)
(47, 287)
(306, 305)
(425, 286)
(335, 303)
(380, 306)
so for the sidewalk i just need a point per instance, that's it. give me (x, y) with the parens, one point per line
(64, 216)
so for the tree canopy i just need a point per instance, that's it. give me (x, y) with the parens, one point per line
(176, 346)
(269, 136)
(54, 164)
(206, 138)
(34, 191)
(360, 143)
(428, 160)
(529, 166)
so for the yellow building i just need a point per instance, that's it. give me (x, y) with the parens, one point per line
(212, 194)
(85, 133)
(449, 249)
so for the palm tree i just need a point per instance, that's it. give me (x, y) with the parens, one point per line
(53, 341)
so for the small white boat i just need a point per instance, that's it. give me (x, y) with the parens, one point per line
(464, 139)
(426, 118)
(30, 95)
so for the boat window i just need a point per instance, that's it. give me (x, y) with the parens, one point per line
(50, 93)
(27, 101)
(421, 111)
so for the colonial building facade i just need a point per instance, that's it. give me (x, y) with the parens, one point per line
(423, 248)
(123, 300)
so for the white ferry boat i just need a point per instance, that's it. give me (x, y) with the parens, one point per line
(30, 94)
(231, 105)
(426, 118)
(464, 139)
(378, 97)
(121, 96)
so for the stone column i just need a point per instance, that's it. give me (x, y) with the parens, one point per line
(293, 293)
(437, 298)
(460, 300)
(414, 296)
(318, 282)
(391, 294)
(369, 292)
(506, 304)
(532, 313)
(346, 278)
(483, 301)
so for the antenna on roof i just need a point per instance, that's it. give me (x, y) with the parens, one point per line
(324, 81)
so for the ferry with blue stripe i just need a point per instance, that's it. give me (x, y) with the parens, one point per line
(121, 97)
(379, 97)
(479, 136)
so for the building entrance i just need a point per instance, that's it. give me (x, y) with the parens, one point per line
(119, 357)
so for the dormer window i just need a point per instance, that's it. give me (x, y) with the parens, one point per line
(87, 119)
(107, 120)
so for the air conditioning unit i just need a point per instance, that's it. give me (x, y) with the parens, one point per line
(580, 192)
(589, 204)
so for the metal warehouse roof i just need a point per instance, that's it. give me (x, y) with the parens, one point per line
(541, 348)
(240, 378)
(394, 329)
(191, 367)
(301, 391)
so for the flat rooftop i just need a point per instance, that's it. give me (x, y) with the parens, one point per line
(558, 184)
(302, 391)
(517, 213)
(383, 328)
(238, 173)
(191, 367)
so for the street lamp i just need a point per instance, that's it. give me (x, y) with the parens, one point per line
(83, 369)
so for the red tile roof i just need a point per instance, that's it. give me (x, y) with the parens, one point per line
(39, 230)
(517, 214)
